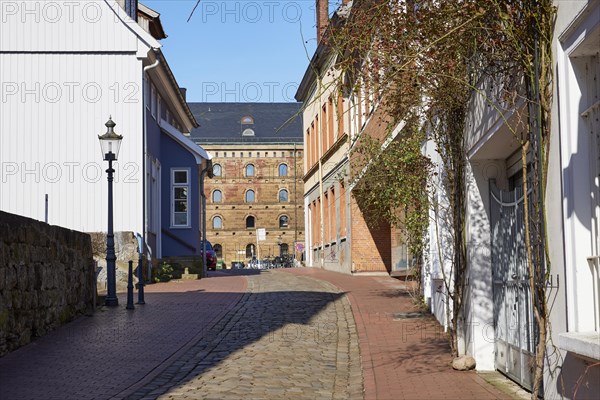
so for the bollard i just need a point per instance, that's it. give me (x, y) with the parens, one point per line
(140, 283)
(130, 305)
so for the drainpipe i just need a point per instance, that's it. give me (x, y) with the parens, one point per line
(206, 171)
(144, 155)
(295, 205)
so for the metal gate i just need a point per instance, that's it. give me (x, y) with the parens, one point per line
(513, 314)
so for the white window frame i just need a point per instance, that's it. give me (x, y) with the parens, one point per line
(176, 186)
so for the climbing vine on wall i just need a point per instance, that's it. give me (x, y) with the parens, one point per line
(424, 63)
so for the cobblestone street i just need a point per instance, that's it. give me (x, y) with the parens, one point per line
(289, 337)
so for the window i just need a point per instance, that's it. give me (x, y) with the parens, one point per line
(326, 218)
(340, 115)
(342, 210)
(180, 216)
(219, 250)
(249, 170)
(248, 132)
(217, 196)
(283, 221)
(331, 216)
(283, 249)
(283, 170)
(247, 120)
(217, 171)
(250, 196)
(250, 250)
(324, 139)
(217, 223)
(283, 196)
(250, 222)
(153, 101)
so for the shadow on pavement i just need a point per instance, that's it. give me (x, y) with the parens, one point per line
(175, 334)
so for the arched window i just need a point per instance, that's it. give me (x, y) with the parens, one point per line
(217, 222)
(219, 250)
(283, 196)
(284, 221)
(217, 170)
(250, 196)
(250, 250)
(250, 221)
(217, 196)
(250, 170)
(283, 249)
(283, 170)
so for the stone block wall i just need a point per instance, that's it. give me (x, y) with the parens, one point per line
(46, 278)
(125, 250)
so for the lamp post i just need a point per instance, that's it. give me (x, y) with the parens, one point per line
(110, 143)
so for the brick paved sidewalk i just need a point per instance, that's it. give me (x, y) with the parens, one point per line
(401, 358)
(116, 350)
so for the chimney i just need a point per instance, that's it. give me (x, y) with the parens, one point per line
(322, 18)
(131, 8)
(183, 93)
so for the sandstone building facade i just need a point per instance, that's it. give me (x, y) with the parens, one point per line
(257, 155)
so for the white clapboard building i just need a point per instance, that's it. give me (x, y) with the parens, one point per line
(65, 68)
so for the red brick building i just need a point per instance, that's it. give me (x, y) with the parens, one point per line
(257, 155)
(338, 236)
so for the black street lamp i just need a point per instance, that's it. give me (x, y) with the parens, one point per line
(110, 143)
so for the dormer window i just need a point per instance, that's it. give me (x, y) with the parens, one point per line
(247, 125)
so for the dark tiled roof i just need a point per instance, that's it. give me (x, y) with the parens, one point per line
(273, 122)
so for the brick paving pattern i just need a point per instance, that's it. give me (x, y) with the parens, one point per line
(280, 334)
(401, 358)
(100, 356)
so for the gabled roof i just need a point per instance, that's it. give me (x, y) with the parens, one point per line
(182, 103)
(155, 25)
(273, 122)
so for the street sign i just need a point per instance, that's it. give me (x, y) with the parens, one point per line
(261, 234)
(299, 247)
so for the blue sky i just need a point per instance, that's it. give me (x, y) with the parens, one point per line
(238, 51)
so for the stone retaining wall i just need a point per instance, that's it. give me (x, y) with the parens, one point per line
(46, 278)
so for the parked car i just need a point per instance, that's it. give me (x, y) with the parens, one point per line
(211, 256)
